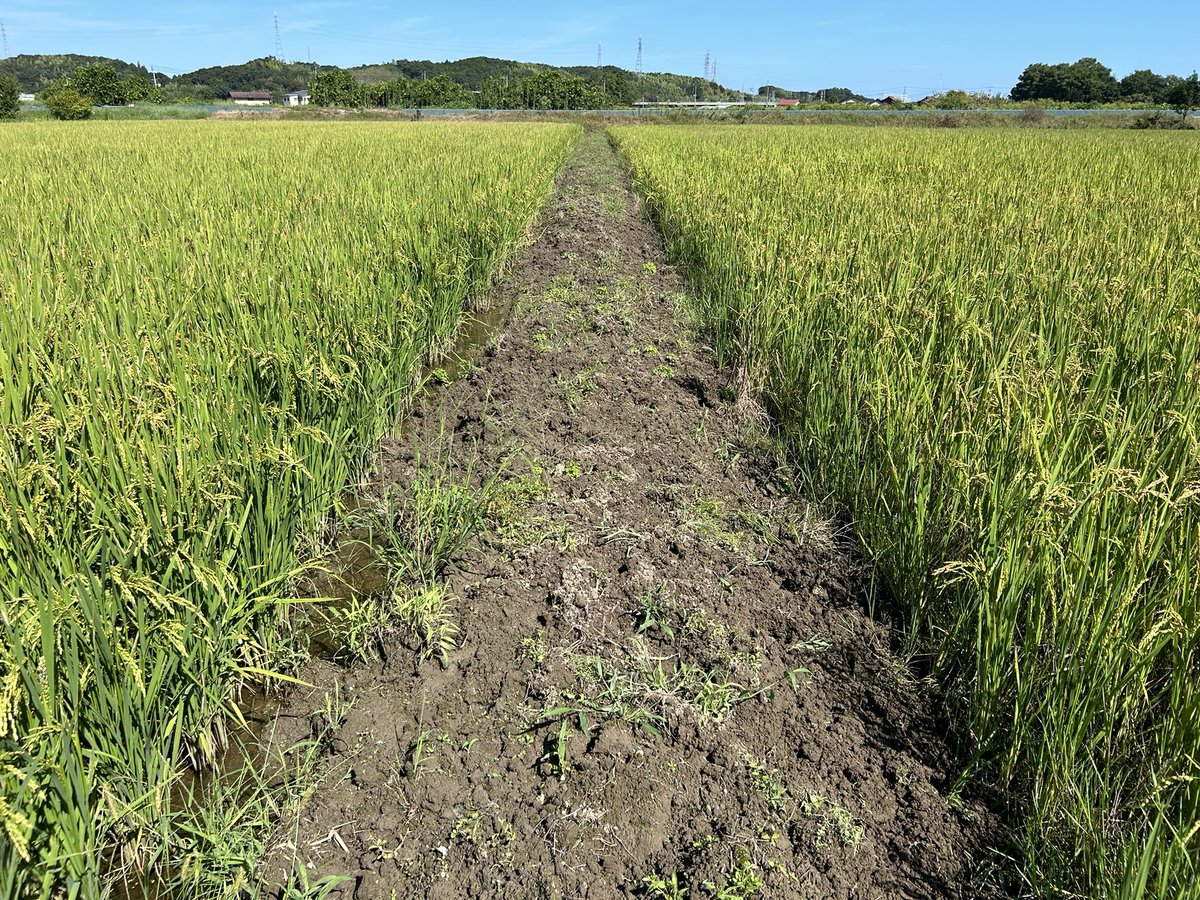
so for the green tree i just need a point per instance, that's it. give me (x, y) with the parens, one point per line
(1144, 86)
(335, 87)
(495, 93)
(139, 90)
(10, 97)
(1185, 96)
(65, 102)
(1090, 81)
(954, 100)
(100, 84)
(1084, 81)
(439, 91)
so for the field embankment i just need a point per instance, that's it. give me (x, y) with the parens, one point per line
(651, 671)
(202, 329)
(984, 345)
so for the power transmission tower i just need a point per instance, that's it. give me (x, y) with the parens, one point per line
(278, 40)
(4, 35)
(707, 64)
(713, 70)
(638, 67)
(599, 56)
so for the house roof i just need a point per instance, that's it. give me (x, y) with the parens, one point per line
(249, 95)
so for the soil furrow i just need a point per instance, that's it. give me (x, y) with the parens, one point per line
(664, 676)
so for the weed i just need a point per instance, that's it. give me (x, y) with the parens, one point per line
(535, 647)
(833, 821)
(654, 612)
(766, 783)
(744, 881)
(420, 528)
(613, 205)
(508, 511)
(299, 885)
(556, 752)
(668, 888)
(417, 755)
(576, 390)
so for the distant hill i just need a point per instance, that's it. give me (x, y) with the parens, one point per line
(35, 72)
(824, 95)
(473, 71)
(265, 74)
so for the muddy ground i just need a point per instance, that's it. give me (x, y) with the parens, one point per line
(664, 677)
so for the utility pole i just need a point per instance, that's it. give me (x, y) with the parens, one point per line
(278, 40)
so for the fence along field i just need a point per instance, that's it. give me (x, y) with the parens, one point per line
(985, 346)
(202, 329)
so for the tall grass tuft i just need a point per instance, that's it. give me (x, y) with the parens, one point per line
(986, 345)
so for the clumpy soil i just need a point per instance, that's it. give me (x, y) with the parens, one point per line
(664, 676)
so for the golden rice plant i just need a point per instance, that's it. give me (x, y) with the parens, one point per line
(203, 327)
(986, 346)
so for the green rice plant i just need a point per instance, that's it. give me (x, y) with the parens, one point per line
(984, 345)
(204, 328)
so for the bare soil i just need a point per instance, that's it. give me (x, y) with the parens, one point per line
(665, 674)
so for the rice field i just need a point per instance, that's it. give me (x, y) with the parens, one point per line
(985, 348)
(203, 329)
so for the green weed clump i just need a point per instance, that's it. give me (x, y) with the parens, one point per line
(203, 328)
(985, 346)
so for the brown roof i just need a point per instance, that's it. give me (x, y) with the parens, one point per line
(249, 95)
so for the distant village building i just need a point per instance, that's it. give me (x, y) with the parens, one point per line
(296, 98)
(789, 102)
(250, 98)
(25, 98)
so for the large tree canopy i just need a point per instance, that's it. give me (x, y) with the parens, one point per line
(1085, 81)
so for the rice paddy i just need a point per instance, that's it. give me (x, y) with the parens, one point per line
(203, 330)
(981, 346)
(984, 347)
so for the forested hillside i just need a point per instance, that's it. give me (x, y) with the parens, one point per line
(36, 72)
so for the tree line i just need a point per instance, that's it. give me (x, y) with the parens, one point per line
(549, 89)
(1090, 82)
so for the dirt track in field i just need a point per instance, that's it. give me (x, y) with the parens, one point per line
(665, 668)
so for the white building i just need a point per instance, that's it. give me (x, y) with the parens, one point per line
(296, 98)
(250, 98)
(25, 98)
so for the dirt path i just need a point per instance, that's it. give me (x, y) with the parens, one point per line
(664, 673)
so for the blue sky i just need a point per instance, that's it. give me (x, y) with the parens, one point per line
(872, 47)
